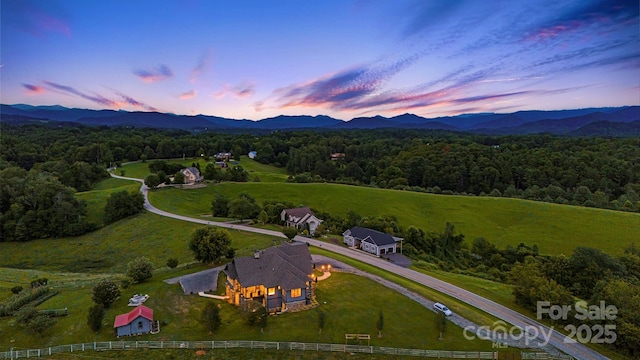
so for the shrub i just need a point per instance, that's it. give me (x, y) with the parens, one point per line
(14, 303)
(172, 263)
(140, 269)
(16, 289)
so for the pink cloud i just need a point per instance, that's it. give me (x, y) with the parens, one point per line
(188, 95)
(34, 89)
(241, 90)
(160, 73)
(100, 99)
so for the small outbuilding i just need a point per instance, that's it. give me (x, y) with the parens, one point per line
(136, 322)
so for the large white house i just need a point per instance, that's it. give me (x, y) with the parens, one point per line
(300, 218)
(369, 240)
(191, 175)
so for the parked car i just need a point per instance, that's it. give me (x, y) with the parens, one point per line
(445, 310)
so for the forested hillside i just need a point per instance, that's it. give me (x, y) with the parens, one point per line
(597, 172)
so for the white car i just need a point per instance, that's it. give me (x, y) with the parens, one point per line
(445, 310)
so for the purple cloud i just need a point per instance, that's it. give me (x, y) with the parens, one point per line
(99, 99)
(135, 103)
(203, 64)
(162, 72)
(33, 89)
(586, 14)
(188, 95)
(343, 88)
(241, 90)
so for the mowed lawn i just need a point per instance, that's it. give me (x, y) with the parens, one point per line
(352, 304)
(266, 173)
(554, 228)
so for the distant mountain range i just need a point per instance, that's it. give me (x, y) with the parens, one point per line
(613, 121)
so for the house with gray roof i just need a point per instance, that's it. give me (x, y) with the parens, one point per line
(369, 240)
(280, 278)
(191, 175)
(301, 218)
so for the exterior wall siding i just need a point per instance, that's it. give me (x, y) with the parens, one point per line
(134, 328)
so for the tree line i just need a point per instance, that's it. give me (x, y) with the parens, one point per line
(596, 172)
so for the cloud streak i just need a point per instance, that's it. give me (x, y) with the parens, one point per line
(202, 66)
(188, 95)
(34, 89)
(160, 73)
(100, 99)
(343, 89)
(586, 14)
(242, 90)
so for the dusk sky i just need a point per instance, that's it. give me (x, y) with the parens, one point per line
(258, 59)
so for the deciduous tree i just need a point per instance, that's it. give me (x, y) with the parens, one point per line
(210, 244)
(140, 269)
(105, 293)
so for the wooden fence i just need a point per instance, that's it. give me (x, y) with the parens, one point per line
(232, 344)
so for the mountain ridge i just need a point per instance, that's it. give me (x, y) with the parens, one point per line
(520, 122)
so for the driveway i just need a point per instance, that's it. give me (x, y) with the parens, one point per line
(557, 339)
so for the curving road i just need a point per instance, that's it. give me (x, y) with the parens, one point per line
(538, 332)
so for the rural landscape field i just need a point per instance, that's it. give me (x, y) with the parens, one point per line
(320, 180)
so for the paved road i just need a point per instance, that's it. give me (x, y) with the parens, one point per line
(556, 339)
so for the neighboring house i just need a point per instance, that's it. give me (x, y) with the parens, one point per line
(371, 241)
(337, 156)
(137, 321)
(300, 218)
(223, 156)
(253, 154)
(191, 175)
(279, 278)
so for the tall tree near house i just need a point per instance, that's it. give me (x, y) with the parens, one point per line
(178, 178)
(263, 217)
(211, 317)
(105, 293)
(210, 244)
(322, 320)
(380, 323)
(290, 232)
(152, 181)
(140, 269)
(95, 316)
(220, 206)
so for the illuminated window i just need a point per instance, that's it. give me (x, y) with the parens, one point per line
(296, 292)
(271, 291)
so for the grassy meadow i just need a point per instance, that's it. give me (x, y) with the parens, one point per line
(266, 173)
(97, 197)
(110, 248)
(351, 302)
(554, 228)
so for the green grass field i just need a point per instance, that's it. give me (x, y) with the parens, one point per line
(351, 302)
(555, 228)
(109, 249)
(97, 197)
(266, 173)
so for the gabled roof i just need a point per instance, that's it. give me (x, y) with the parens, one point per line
(298, 212)
(288, 266)
(193, 170)
(126, 319)
(374, 236)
